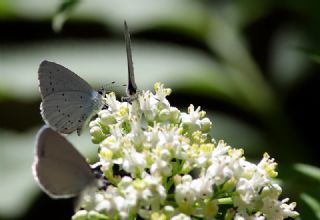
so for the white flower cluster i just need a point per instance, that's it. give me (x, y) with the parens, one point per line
(162, 164)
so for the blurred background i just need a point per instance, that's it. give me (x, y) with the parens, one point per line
(253, 66)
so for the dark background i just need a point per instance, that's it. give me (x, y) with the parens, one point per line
(253, 66)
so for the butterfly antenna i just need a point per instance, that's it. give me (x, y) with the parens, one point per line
(108, 87)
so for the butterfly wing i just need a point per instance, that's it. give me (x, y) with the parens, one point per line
(58, 167)
(67, 100)
(131, 87)
(56, 78)
(69, 111)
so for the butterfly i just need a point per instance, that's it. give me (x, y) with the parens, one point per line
(68, 101)
(59, 169)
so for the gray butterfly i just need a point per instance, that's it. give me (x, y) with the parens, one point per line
(68, 102)
(60, 170)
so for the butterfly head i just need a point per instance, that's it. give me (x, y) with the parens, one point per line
(101, 91)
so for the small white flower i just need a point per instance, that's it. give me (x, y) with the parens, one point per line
(181, 216)
(248, 194)
(159, 147)
(205, 124)
(80, 215)
(110, 143)
(184, 194)
(121, 206)
(272, 207)
(174, 115)
(161, 94)
(106, 118)
(245, 216)
(133, 161)
(104, 206)
(111, 102)
(146, 103)
(288, 209)
(268, 166)
(203, 187)
(116, 131)
(161, 167)
(221, 149)
(219, 170)
(136, 136)
(192, 117)
(204, 155)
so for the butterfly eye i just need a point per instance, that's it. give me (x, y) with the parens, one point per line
(100, 91)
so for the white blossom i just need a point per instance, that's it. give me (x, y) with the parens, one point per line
(162, 163)
(181, 216)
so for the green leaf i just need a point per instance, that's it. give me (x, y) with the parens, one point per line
(240, 68)
(313, 203)
(311, 171)
(17, 185)
(311, 53)
(64, 10)
(101, 62)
